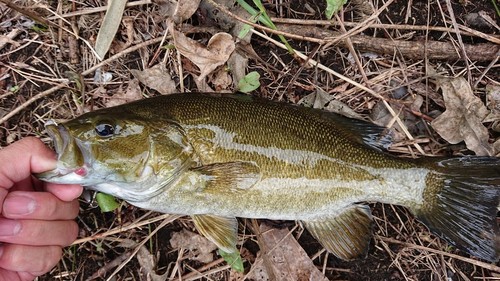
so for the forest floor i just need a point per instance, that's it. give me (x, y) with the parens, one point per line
(400, 64)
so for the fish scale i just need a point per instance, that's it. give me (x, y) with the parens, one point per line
(218, 157)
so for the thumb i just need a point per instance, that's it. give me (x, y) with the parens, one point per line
(20, 159)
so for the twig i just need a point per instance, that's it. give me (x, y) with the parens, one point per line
(485, 265)
(353, 52)
(28, 13)
(270, 30)
(138, 247)
(98, 9)
(84, 73)
(408, 49)
(490, 65)
(460, 42)
(464, 30)
(166, 217)
(360, 27)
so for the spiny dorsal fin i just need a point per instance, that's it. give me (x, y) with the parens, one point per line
(229, 176)
(361, 131)
(347, 235)
(222, 231)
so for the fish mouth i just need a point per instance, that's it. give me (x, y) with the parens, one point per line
(71, 166)
(59, 136)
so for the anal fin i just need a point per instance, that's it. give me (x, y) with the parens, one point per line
(347, 235)
(223, 231)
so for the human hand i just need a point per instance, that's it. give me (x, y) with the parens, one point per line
(36, 219)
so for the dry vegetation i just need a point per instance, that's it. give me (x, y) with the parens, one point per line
(378, 59)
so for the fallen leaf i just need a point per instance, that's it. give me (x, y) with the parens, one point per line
(185, 9)
(220, 79)
(156, 78)
(258, 272)
(132, 93)
(200, 248)
(202, 85)
(207, 58)
(285, 257)
(321, 100)
(493, 104)
(462, 120)
(148, 264)
(109, 27)
(179, 11)
(237, 64)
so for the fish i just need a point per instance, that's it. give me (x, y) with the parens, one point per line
(218, 157)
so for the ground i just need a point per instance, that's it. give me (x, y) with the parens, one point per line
(47, 72)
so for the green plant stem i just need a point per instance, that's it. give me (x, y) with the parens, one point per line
(264, 18)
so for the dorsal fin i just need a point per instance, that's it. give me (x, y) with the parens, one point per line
(360, 131)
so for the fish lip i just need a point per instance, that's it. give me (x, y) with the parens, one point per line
(59, 136)
(61, 140)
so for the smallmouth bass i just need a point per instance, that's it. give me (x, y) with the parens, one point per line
(216, 158)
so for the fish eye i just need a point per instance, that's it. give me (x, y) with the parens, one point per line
(105, 130)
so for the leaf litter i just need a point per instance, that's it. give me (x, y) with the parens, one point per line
(207, 58)
(218, 68)
(463, 118)
(282, 258)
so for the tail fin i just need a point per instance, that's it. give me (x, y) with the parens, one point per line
(460, 204)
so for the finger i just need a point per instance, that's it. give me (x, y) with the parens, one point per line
(65, 192)
(24, 157)
(38, 206)
(23, 258)
(16, 276)
(37, 232)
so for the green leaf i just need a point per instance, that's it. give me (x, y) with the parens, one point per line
(233, 259)
(246, 28)
(333, 6)
(264, 18)
(106, 202)
(249, 83)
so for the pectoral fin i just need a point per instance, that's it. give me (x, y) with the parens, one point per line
(229, 176)
(347, 235)
(222, 231)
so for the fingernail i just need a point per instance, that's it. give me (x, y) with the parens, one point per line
(9, 227)
(18, 205)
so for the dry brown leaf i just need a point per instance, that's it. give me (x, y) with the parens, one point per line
(179, 11)
(321, 100)
(237, 63)
(200, 248)
(462, 120)
(493, 103)
(156, 78)
(132, 93)
(220, 79)
(148, 266)
(287, 258)
(207, 58)
(185, 9)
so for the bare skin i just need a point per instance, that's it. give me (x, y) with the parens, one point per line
(36, 219)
